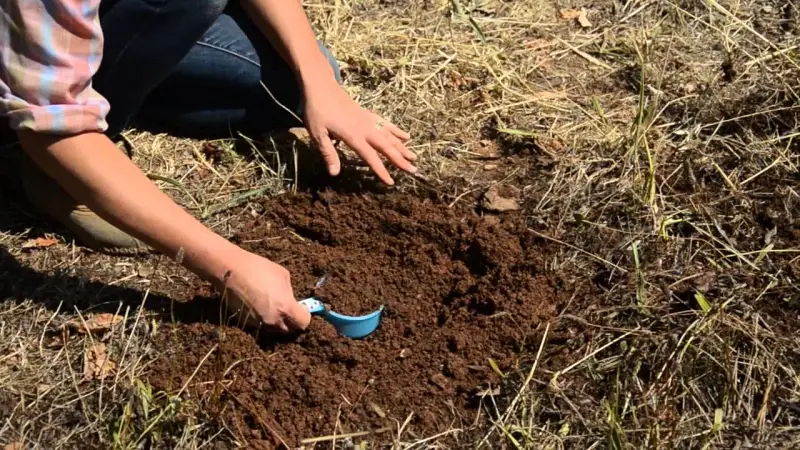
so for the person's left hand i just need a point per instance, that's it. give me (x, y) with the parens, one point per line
(331, 114)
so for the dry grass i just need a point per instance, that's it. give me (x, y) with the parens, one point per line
(657, 148)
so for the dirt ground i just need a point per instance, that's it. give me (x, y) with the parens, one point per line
(464, 295)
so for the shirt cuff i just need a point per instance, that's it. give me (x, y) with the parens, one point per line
(60, 119)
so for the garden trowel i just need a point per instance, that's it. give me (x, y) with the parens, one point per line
(348, 326)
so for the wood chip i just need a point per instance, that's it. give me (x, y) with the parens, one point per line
(97, 323)
(96, 363)
(577, 14)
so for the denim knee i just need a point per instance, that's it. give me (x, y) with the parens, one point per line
(206, 11)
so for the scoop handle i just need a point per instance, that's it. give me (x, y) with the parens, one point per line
(315, 307)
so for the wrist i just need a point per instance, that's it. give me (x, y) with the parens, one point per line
(315, 74)
(213, 260)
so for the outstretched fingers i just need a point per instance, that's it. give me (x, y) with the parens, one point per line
(396, 156)
(329, 153)
(370, 156)
(396, 136)
(371, 139)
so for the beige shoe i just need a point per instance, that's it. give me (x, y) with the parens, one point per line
(90, 229)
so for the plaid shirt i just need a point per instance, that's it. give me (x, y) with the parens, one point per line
(50, 51)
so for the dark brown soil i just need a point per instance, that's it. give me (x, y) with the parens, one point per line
(460, 291)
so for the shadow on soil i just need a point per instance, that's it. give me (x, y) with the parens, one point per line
(66, 293)
(286, 147)
(304, 164)
(65, 290)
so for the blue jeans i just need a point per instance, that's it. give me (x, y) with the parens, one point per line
(193, 67)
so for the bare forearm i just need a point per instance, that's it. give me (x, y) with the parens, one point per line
(286, 25)
(96, 173)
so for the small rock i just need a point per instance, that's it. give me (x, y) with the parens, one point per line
(491, 220)
(490, 167)
(377, 409)
(501, 199)
(689, 88)
(487, 149)
(440, 380)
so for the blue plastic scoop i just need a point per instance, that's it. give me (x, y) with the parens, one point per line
(347, 326)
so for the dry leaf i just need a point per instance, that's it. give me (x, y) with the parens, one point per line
(96, 363)
(40, 242)
(501, 199)
(94, 324)
(581, 15)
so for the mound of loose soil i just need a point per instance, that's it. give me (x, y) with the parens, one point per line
(459, 291)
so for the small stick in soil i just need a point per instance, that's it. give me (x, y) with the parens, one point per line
(196, 369)
(255, 414)
(47, 327)
(344, 436)
(453, 203)
(554, 380)
(358, 399)
(578, 249)
(433, 438)
(139, 314)
(510, 409)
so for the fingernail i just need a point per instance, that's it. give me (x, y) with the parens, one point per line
(412, 169)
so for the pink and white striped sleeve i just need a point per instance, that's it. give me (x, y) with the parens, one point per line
(51, 51)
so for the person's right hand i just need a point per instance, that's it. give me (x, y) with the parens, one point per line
(260, 293)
